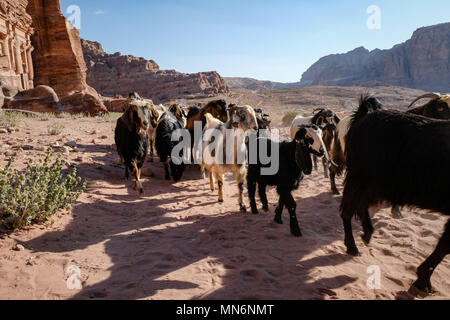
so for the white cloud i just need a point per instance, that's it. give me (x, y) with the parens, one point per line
(99, 12)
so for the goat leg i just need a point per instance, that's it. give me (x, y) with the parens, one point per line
(333, 181)
(315, 163)
(166, 168)
(292, 208)
(424, 272)
(211, 181)
(367, 225)
(279, 211)
(325, 168)
(137, 176)
(251, 185)
(263, 196)
(240, 177)
(396, 213)
(219, 179)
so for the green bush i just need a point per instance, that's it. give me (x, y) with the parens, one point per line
(288, 118)
(34, 194)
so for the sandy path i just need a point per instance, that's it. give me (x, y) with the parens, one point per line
(177, 242)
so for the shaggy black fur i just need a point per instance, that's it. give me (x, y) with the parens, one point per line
(294, 163)
(164, 146)
(400, 158)
(133, 145)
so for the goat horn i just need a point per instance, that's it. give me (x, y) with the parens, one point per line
(428, 95)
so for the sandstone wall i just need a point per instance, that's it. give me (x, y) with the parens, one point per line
(58, 56)
(113, 74)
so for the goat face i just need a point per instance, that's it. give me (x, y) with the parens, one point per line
(311, 137)
(153, 115)
(325, 116)
(243, 118)
(136, 118)
(438, 108)
(219, 110)
(263, 119)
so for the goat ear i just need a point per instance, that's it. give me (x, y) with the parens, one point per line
(303, 158)
(336, 119)
(127, 118)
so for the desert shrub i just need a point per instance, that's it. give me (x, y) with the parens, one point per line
(55, 129)
(288, 118)
(37, 192)
(10, 119)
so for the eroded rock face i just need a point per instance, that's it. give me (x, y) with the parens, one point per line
(421, 62)
(58, 56)
(112, 74)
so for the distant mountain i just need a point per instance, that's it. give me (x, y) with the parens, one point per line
(423, 62)
(253, 84)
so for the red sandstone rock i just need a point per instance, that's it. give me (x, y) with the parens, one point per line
(114, 74)
(58, 57)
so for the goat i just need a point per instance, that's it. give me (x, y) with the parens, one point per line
(167, 125)
(294, 163)
(131, 137)
(216, 108)
(241, 120)
(319, 118)
(437, 108)
(391, 156)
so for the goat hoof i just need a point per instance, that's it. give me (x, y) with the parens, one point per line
(420, 289)
(243, 208)
(266, 208)
(220, 200)
(336, 193)
(397, 215)
(366, 239)
(353, 252)
(296, 232)
(279, 221)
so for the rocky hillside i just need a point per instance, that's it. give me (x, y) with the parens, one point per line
(112, 74)
(253, 84)
(422, 62)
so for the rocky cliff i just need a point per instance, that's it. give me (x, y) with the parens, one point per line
(113, 74)
(57, 57)
(422, 62)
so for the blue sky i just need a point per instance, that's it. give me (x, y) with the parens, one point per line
(262, 39)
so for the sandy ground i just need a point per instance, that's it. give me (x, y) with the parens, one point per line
(177, 242)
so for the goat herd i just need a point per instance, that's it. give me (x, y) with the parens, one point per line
(399, 157)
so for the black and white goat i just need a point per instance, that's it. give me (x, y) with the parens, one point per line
(391, 156)
(294, 162)
(320, 118)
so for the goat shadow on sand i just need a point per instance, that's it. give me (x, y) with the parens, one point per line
(148, 247)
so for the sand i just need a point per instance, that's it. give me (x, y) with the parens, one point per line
(177, 242)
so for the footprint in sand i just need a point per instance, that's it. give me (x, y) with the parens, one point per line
(251, 275)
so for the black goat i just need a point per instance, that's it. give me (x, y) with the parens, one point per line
(391, 156)
(294, 162)
(437, 108)
(131, 137)
(167, 125)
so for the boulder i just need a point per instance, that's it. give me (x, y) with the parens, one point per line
(39, 99)
(81, 102)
